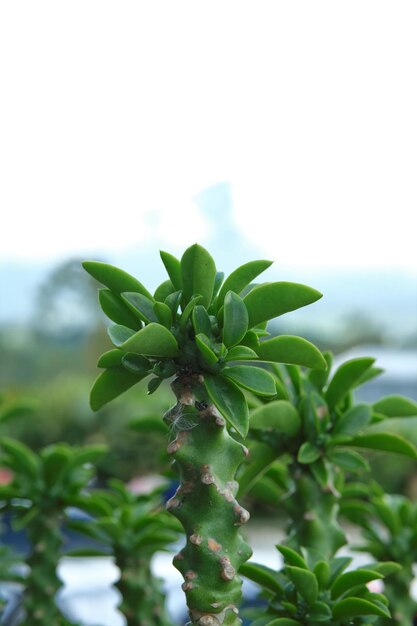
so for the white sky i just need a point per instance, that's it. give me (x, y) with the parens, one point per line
(109, 110)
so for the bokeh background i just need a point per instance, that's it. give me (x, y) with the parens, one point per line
(280, 130)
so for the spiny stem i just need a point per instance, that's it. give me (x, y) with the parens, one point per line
(206, 458)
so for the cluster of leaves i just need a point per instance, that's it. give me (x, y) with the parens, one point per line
(46, 482)
(42, 487)
(196, 322)
(305, 443)
(128, 526)
(131, 525)
(318, 425)
(310, 591)
(132, 528)
(389, 532)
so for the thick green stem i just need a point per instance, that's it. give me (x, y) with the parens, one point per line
(43, 583)
(142, 597)
(206, 458)
(313, 513)
(397, 590)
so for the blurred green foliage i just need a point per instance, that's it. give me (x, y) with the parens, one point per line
(52, 360)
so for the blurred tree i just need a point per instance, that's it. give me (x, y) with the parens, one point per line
(66, 306)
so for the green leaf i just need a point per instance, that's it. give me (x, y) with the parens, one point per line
(291, 349)
(278, 415)
(136, 363)
(218, 283)
(164, 290)
(396, 406)
(308, 453)
(114, 278)
(140, 305)
(201, 321)
(235, 319)
(152, 340)
(385, 568)
(173, 301)
(337, 565)
(188, 310)
(198, 273)
(112, 358)
(348, 580)
(229, 400)
(255, 379)
(87, 455)
(354, 420)
(119, 334)
(241, 353)
(355, 607)
(345, 378)
(320, 472)
(262, 575)
(24, 460)
(292, 557)
(163, 314)
(250, 340)
(388, 516)
(320, 612)
(204, 347)
(173, 268)
(241, 278)
(305, 582)
(116, 310)
(319, 377)
(273, 299)
(110, 384)
(55, 458)
(261, 458)
(368, 375)
(322, 573)
(153, 385)
(348, 460)
(266, 490)
(390, 442)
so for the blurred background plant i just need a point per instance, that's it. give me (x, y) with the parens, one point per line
(50, 355)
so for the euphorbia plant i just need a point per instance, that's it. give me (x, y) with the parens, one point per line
(312, 591)
(133, 527)
(317, 428)
(208, 335)
(389, 526)
(43, 486)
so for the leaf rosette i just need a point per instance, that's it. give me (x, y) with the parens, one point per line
(196, 322)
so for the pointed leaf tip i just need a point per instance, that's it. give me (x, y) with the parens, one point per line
(292, 350)
(198, 274)
(271, 300)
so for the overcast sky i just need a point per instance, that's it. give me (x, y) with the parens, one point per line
(110, 111)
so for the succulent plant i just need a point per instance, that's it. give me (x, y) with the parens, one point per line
(132, 527)
(309, 438)
(43, 486)
(209, 335)
(312, 591)
(389, 528)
